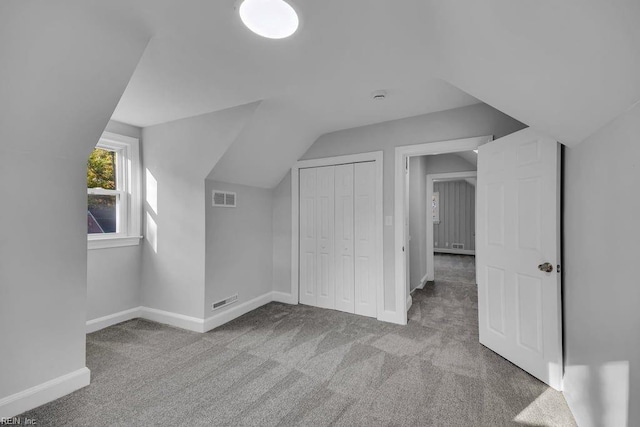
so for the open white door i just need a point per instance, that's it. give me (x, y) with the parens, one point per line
(518, 251)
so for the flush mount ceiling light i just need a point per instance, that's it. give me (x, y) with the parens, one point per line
(273, 19)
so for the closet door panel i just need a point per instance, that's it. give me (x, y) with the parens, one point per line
(325, 230)
(344, 232)
(365, 239)
(308, 236)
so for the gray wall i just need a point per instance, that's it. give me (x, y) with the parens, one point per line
(51, 115)
(601, 279)
(180, 155)
(239, 245)
(282, 236)
(113, 274)
(466, 122)
(457, 215)
(417, 220)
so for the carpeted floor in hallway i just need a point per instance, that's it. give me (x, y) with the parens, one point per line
(299, 365)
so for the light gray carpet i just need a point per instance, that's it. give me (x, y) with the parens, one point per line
(299, 365)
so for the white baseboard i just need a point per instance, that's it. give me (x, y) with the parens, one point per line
(409, 302)
(423, 282)
(236, 311)
(455, 251)
(392, 317)
(173, 319)
(44, 393)
(112, 319)
(188, 322)
(283, 297)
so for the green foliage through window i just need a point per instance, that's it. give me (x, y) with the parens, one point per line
(101, 169)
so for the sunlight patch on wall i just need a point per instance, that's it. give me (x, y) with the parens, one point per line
(151, 191)
(151, 233)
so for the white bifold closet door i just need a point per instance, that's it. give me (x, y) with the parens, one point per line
(365, 239)
(337, 237)
(344, 238)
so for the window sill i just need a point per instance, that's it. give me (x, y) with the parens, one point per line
(112, 242)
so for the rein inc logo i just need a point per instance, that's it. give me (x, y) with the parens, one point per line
(17, 421)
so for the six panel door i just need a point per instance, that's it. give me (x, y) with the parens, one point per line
(517, 252)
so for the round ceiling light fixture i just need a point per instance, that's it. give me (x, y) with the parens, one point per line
(273, 19)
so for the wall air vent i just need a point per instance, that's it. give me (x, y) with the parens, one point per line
(224, 302)
(225, 199)
(457, 245)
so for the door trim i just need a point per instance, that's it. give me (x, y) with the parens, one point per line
(430, 236)
(374, 156)
(401, 153)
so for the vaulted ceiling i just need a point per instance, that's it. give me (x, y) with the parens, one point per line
(564, 67)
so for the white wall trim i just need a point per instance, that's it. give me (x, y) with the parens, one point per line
(187, 322)
(173, 319)
(113, 242)
(283, 297)
(401, 153)
(235, 311)
(375, 156)
(455, 251)
(430, 247)
(409, 301)
(112, 319)
(44, 393)
(423, 282)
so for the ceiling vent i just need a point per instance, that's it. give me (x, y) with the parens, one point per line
(225, 199)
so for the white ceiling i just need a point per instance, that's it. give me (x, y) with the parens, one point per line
(203, 59)
(565, 68)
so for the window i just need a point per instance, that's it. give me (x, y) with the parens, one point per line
(435, 207)
(113, 192)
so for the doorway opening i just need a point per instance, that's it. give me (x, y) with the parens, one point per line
(439, 160)
(517, 249)
(441, 196)
(451, 222)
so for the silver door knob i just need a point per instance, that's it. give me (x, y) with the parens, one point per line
(546, 267)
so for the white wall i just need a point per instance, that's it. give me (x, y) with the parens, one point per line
(417, 220)
(239, 245)
(113, 274)
(282, 236)
(446, 163)
(52, 113)
(466, 122)
(601, 276)
(177, 158)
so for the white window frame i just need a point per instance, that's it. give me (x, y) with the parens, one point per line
(129, 192)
